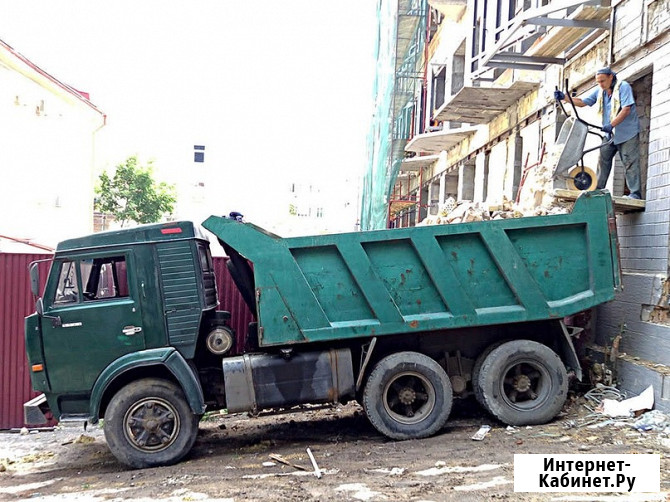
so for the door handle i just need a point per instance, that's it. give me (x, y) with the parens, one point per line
(131, 330)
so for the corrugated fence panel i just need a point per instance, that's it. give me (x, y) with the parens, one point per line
(16, 302)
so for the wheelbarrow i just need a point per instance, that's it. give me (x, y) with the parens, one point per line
(571, 140)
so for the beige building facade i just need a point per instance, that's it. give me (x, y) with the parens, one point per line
(48, 132)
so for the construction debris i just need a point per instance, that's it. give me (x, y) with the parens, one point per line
(481, 433)
(282, 460)
(536, 197)
(317, 471)
(653, 420)
(600, 392)
(628, 407)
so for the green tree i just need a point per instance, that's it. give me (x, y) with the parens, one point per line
(133, 194)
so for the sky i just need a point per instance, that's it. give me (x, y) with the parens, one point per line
(274, 89)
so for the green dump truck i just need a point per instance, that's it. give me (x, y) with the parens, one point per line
(128, 328)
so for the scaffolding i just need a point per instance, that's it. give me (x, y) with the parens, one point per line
(400, 44)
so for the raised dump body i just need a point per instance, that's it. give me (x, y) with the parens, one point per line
(387, 282)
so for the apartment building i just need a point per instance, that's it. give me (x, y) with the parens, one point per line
(48, 131)
(465, 109)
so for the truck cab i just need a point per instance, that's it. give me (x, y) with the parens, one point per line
(119, 305)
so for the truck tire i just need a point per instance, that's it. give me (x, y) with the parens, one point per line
(407, 396)
(149, 423)
(476, 370)
(523, 383)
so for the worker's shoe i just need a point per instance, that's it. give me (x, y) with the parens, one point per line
(633, 195)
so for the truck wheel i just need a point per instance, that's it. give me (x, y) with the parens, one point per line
(407, 396)
(523, 383)
(476, 370)
(149, 423)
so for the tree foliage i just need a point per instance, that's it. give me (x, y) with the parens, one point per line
(133, 194)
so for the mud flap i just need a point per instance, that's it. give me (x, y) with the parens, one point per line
(567, 349)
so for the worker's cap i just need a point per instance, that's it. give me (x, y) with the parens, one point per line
(605, 71)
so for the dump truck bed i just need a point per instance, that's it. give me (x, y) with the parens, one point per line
(386, 282)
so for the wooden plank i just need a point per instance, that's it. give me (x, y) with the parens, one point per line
(560, 38)
(621, 204)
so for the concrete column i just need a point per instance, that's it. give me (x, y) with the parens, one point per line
(443, 186)
(466, 180)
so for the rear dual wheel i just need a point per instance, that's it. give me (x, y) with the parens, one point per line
(476, 370)
(407, 396)
(522, 382)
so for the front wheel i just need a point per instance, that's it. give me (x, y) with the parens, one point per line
(407, 396)
(523, 382)
(149, 423)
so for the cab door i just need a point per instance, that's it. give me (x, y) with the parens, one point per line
(93, 317)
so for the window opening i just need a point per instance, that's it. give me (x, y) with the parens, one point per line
(67, 290)
(439, 80)
(205, 259)
(105, 278)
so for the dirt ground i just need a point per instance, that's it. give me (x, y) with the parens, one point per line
(231, 460)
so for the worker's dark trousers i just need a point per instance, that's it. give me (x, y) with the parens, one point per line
(629, 153)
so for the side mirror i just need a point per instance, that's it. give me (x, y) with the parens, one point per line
(56, 321)
(35, 279)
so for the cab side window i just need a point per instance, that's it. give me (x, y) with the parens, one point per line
(67, 290)
(205, 257)
(105, 278)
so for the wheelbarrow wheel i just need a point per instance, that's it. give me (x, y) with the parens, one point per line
(582, 179)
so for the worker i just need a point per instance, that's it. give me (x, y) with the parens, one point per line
(616, 105)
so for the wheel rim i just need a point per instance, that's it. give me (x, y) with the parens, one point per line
(409, 397)
(583, 180)
(152, 425)
(526, 385)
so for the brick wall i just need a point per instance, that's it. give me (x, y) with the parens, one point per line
(642, 54)
(629, 23)
(644, 237)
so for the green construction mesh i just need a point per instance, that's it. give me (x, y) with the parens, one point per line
(401, 27)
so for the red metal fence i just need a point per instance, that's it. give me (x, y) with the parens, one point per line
(231, 300)
(16, 302)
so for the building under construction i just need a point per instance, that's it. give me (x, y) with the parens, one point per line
(465, 111)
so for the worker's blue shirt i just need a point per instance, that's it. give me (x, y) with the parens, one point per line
(630, 125)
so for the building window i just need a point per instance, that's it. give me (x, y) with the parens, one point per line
(439, 80)
(198, 153)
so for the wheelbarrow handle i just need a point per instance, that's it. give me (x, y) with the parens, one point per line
(609, 139)
(560, 103)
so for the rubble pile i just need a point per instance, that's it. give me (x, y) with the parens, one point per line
(536, 198)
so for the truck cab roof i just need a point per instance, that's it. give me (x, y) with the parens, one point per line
(154, 232)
